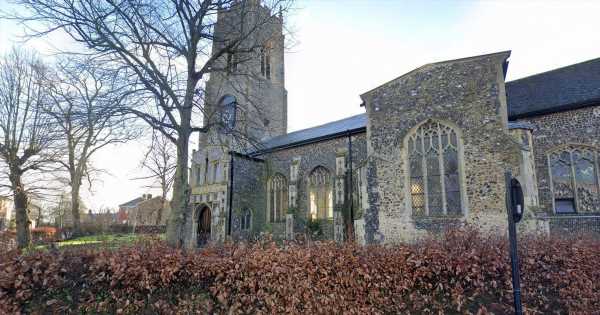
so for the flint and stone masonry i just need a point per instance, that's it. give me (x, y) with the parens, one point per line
(428, 154)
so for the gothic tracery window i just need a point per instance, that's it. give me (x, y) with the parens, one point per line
(278, 197)
(320, 193)
(433, 170)
(574, 174)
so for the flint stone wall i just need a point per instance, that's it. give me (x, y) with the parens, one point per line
(468, 94)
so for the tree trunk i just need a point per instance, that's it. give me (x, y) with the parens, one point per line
(162, 206)
(179, 203)
(75, 208)
(21, 215)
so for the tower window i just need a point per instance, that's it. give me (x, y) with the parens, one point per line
(232, 62)
(228, 111)
(265, 62)
(268, 67)
(262, 61)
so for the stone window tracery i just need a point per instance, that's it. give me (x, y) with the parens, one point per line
(278, 197)
(434, 170)
(574, 175)
(320, 193)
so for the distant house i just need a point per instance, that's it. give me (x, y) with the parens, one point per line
(103, 218)
(144, 210)
(123, 214)
(5, 213)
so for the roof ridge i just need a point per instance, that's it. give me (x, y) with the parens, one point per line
(556, 69)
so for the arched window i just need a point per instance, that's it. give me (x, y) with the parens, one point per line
(320, 193)
(265, 61)
(434, 170)
(278, 197)
(574, 175)
(228, 108)
(246, 220)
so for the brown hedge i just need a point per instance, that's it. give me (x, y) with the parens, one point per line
(462, 272)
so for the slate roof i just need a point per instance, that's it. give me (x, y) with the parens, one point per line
(132, 203)
(330, 130)
(555, 90)
(564, 88)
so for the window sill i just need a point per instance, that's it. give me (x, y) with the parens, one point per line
(437, 218)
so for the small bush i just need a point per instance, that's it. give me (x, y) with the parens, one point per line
(44, 235)
(463, 272)
(7, 241)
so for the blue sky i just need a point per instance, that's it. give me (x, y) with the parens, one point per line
(345, 48)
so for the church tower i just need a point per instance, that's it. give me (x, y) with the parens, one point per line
(245, 103)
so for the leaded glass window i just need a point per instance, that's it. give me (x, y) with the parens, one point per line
(574, 174)
(433, 170)
(320, 193)
(278, 197)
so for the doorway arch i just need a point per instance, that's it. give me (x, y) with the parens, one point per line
(203, 225)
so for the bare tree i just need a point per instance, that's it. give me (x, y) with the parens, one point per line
(85, 106)
(27, 136)
(160, 162)
(164, 50)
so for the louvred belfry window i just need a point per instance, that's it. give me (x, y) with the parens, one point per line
(434, 170)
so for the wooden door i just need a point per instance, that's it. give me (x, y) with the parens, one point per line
(204, 226)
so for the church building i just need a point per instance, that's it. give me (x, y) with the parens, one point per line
(429, 152)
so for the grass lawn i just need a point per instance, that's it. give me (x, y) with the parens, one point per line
(103, 240)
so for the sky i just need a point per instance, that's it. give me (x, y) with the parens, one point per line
(341, 49)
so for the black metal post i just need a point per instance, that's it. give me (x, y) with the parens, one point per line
(512, 237)
(351, 182)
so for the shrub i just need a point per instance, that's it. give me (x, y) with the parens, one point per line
(7, 241)
(463, 272)
(44, 235)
